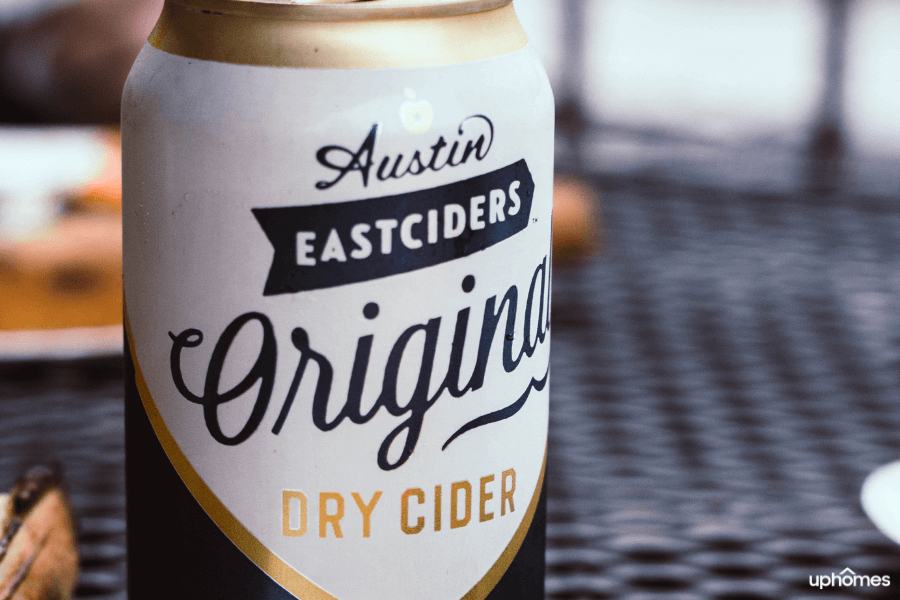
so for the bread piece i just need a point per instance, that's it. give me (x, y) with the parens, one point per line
(38, 552)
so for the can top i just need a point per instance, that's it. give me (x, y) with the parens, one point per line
(346, 34)
(340, 10)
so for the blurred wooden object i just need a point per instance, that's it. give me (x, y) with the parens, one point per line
(70, 276)
(577, 228)
(70, 273)
(38, 552)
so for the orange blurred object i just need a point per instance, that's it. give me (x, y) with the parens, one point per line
(577, 230)
(69, 274)
(105, 189)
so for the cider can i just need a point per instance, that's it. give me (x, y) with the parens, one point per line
(337, 227)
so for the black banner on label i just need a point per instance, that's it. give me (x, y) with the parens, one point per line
(327, 245)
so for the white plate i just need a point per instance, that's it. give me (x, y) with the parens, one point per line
(38, 167)
(881, 499)
(60, 344)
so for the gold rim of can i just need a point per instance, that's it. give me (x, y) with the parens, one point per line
(345, 10)
(339, 34)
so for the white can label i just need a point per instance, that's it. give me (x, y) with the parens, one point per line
(339, 319)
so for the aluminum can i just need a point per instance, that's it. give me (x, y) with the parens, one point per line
(337, 222)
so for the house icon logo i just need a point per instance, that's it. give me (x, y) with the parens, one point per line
(848, 578)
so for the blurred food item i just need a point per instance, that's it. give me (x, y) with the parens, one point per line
(68, 276)
(70, 65)
(43, 168)
(104, 189)
(67, 271)
(38, 552)
(577, 228)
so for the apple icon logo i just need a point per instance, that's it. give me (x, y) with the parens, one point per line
(416, 114)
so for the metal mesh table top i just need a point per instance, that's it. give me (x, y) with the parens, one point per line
(724, 376)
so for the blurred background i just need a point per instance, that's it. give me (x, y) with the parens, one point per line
(726, 286)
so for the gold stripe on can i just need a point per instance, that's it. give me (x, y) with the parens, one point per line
(339, 35)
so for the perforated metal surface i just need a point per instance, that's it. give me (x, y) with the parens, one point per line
(724, 376)
(70, 414)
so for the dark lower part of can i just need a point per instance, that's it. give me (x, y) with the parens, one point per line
(177, 552)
